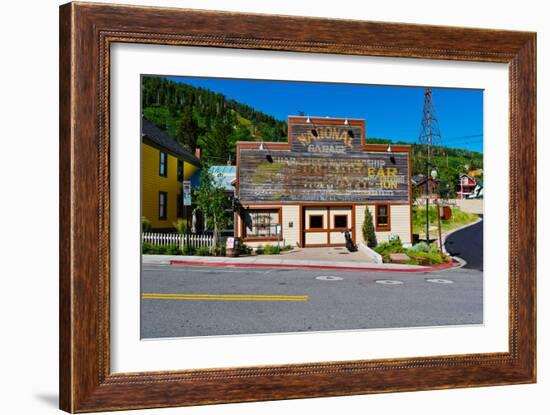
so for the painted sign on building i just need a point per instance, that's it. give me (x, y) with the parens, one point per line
(369, 176)
(324, 163)
(326, 139)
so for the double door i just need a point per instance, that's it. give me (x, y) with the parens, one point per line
(325, 225)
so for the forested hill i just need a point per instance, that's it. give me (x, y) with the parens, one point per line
(198, 117)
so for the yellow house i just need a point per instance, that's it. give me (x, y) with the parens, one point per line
(165, 164)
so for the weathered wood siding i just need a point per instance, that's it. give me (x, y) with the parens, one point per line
(286, 176)
(325, 162)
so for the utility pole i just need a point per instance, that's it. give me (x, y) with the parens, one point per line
(429, 134)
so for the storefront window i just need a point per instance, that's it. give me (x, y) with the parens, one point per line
(382, 216)
(316, 222)
(340, 221)
(261, 223)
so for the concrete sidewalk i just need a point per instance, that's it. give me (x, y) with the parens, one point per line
(281, 261)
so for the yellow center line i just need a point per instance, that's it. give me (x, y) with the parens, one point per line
(224, 297)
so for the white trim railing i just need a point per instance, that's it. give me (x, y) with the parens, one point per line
(180, 240)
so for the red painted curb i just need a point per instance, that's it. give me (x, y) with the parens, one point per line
(253, 265)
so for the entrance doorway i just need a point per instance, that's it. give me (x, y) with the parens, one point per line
(325, 225)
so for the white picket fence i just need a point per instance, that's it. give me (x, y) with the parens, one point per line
(163, 239)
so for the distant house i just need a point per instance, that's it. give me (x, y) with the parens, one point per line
(165, 164)
(431, 189)
(466, 186)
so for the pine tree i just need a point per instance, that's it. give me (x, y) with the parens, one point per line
(187, 131)
(368, 230)
(217, 143)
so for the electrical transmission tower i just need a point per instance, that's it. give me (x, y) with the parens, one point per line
(429, 136)
(429, 130)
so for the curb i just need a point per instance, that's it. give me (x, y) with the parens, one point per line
(447, 265)
(460, 262)
(445, 236)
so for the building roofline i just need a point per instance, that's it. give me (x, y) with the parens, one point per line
(324, 117)
(285, 145)
(154, 135)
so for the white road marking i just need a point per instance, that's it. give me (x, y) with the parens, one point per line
(328, 278)
(389, 282)
(439, 281)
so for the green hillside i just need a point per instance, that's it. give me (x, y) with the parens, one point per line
(198, 117)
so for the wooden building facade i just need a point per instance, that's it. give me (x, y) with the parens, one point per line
(309, 191)
(165, 164)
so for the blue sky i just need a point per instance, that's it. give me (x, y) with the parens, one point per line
(390, 111)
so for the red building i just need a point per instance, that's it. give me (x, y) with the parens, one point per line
(466, 186)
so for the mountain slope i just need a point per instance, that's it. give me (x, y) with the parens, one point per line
(198, 117)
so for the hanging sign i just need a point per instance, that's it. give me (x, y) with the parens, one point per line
(186, 193)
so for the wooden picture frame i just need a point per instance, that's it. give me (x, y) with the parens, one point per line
(86, 33)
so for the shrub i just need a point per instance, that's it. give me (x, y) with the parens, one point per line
(150, 249)
(369, 236)
(391, 247)
(219, 250)
(203, 251)
(424, 247)
(188, 250)
(171, 250)
(259, 250)
(181, 226)
(434, 249)
(145, 224)
(427, 258)
(286, 248)
(146, 248)
(420, 247)
(271, 250)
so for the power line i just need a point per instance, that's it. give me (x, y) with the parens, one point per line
(463, 136)
(463, 142)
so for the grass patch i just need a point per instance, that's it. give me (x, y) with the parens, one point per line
(268, 250)
(459, 218)
(427, 258)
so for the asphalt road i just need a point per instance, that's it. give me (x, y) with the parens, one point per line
(468, 245)
(201, 301)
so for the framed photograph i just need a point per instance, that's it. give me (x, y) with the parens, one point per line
(258, 207)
